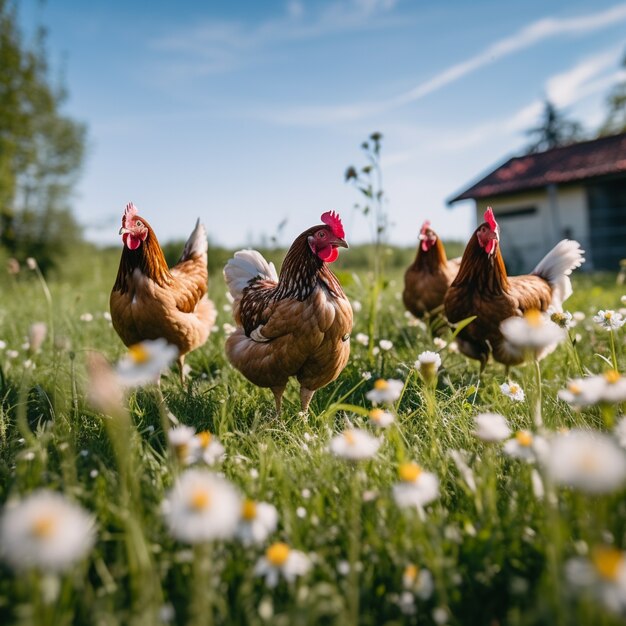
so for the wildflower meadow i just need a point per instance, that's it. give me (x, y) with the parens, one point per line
(414, 491)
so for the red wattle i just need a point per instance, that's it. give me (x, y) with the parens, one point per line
(425, 246)
(328, 254)
(131, 242)
(491, 246)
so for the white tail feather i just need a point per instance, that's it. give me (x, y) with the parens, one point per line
(556, 267)
(245, 266)
(197, 244)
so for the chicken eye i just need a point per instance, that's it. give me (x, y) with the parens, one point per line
(321, 234)
(139, 223)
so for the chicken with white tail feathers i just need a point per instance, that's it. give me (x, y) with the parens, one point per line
(483, 289)
(297, 323)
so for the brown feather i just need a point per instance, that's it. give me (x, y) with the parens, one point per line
(483, 288)
(303, 323)
(427, 279)
(149, 300)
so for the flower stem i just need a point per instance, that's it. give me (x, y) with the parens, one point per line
(538, 399)
(354, 549)
(613, 352)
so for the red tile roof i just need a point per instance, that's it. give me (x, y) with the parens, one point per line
(580, 161)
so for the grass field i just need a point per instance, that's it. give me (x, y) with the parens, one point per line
(501, 541)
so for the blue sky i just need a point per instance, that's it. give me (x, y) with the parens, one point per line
(247, 113)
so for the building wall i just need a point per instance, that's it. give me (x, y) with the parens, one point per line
(525, 237)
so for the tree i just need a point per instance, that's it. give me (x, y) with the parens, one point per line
(616, 117)
(553, 131)
(41, 150)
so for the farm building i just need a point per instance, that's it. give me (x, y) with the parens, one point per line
(577, 191)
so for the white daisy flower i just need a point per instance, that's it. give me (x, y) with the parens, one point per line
(258, 521)
(582, 392)
(533, 332)
(45, 530)
(282, 561)
(202, 506)
(145, 361)
(36, 336)
(587, 460)
(491, 427)
(563, 319)
(107, 316)
(603, 574)
(428, 364)
(184, 443)
(12, 354)
(418, 580)
(3, 344)
(356, 306)
(362, 338)
(208, 448)
(354, 444)
(613, 389)
(31, 263)
(86, 317)
(440, 343)
(228, 329)
(526, 446)
(513, 391)
(417, 488)
(381, 418)
(609, 320)
(579, 316)
(385, 344)
(385, 391)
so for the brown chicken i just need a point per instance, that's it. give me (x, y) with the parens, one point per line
(296, 324)
(482, 288)
(150, 300)
(428, 278)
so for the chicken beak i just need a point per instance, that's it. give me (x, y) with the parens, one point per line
(123, 231)
(340, 243)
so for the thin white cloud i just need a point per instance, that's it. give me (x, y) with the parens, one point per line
(213, 45)
(589, 77)
(526, 37)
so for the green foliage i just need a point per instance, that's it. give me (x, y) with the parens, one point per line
(615, 121)
(41, 151)
(496, 554)
(554, 130)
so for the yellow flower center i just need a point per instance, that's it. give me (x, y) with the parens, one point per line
(575, 389)
(588, 462)
(607, 562)
(524, 438)
(612, 376)
(381, 384)
(608, 315)
(533, 317)
(204, 438)
(138, 354)
(348, 435)
(409, 472)
(513, 389)
(277, 553)
(376, 415)
(248, 510)
(410, 572)
(200, 500)
(44, 526)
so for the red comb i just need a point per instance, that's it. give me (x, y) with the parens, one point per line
(131, 210)
(490, 219)
(425, 227)
(332, 219)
